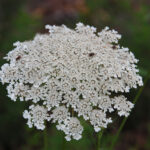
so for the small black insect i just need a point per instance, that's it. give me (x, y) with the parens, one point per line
(19, 57)
(91, 54)
(114, 47)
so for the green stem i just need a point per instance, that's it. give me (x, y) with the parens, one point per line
(125, 119)
(72, 112)
(63, 142)
(99, 139)
(45, 140)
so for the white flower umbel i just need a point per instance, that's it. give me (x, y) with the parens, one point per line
(68, 71)
(98, 119)
(60, 114)
(72, 128)
(36, 116)
(122, 105)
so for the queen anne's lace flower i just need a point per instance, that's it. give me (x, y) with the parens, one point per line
(72, 128)
(68, 71)
(122, 105)
(98, 119)
(36, 116)
(105, 103)
(60, 114)
(84, 108)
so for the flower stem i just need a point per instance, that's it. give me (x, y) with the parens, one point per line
(72, 112)
(63, 143)
(45, 140)
(99, 139)
(115, 139)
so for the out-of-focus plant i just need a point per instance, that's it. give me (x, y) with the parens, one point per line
(57, 11)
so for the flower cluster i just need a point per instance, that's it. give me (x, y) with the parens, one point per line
(68, 74)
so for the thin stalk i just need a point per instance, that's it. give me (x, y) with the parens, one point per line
(100, 134)
(63, 143)
(115, 139)
(45, 140)
(72, 112)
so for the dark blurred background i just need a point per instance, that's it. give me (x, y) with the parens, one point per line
(21, 20)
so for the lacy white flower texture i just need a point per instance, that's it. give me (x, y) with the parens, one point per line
(68, 74)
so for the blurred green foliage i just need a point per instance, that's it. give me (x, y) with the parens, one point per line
(132, 19)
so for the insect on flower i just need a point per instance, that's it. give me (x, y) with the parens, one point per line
(18, 58)
(91, 54)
